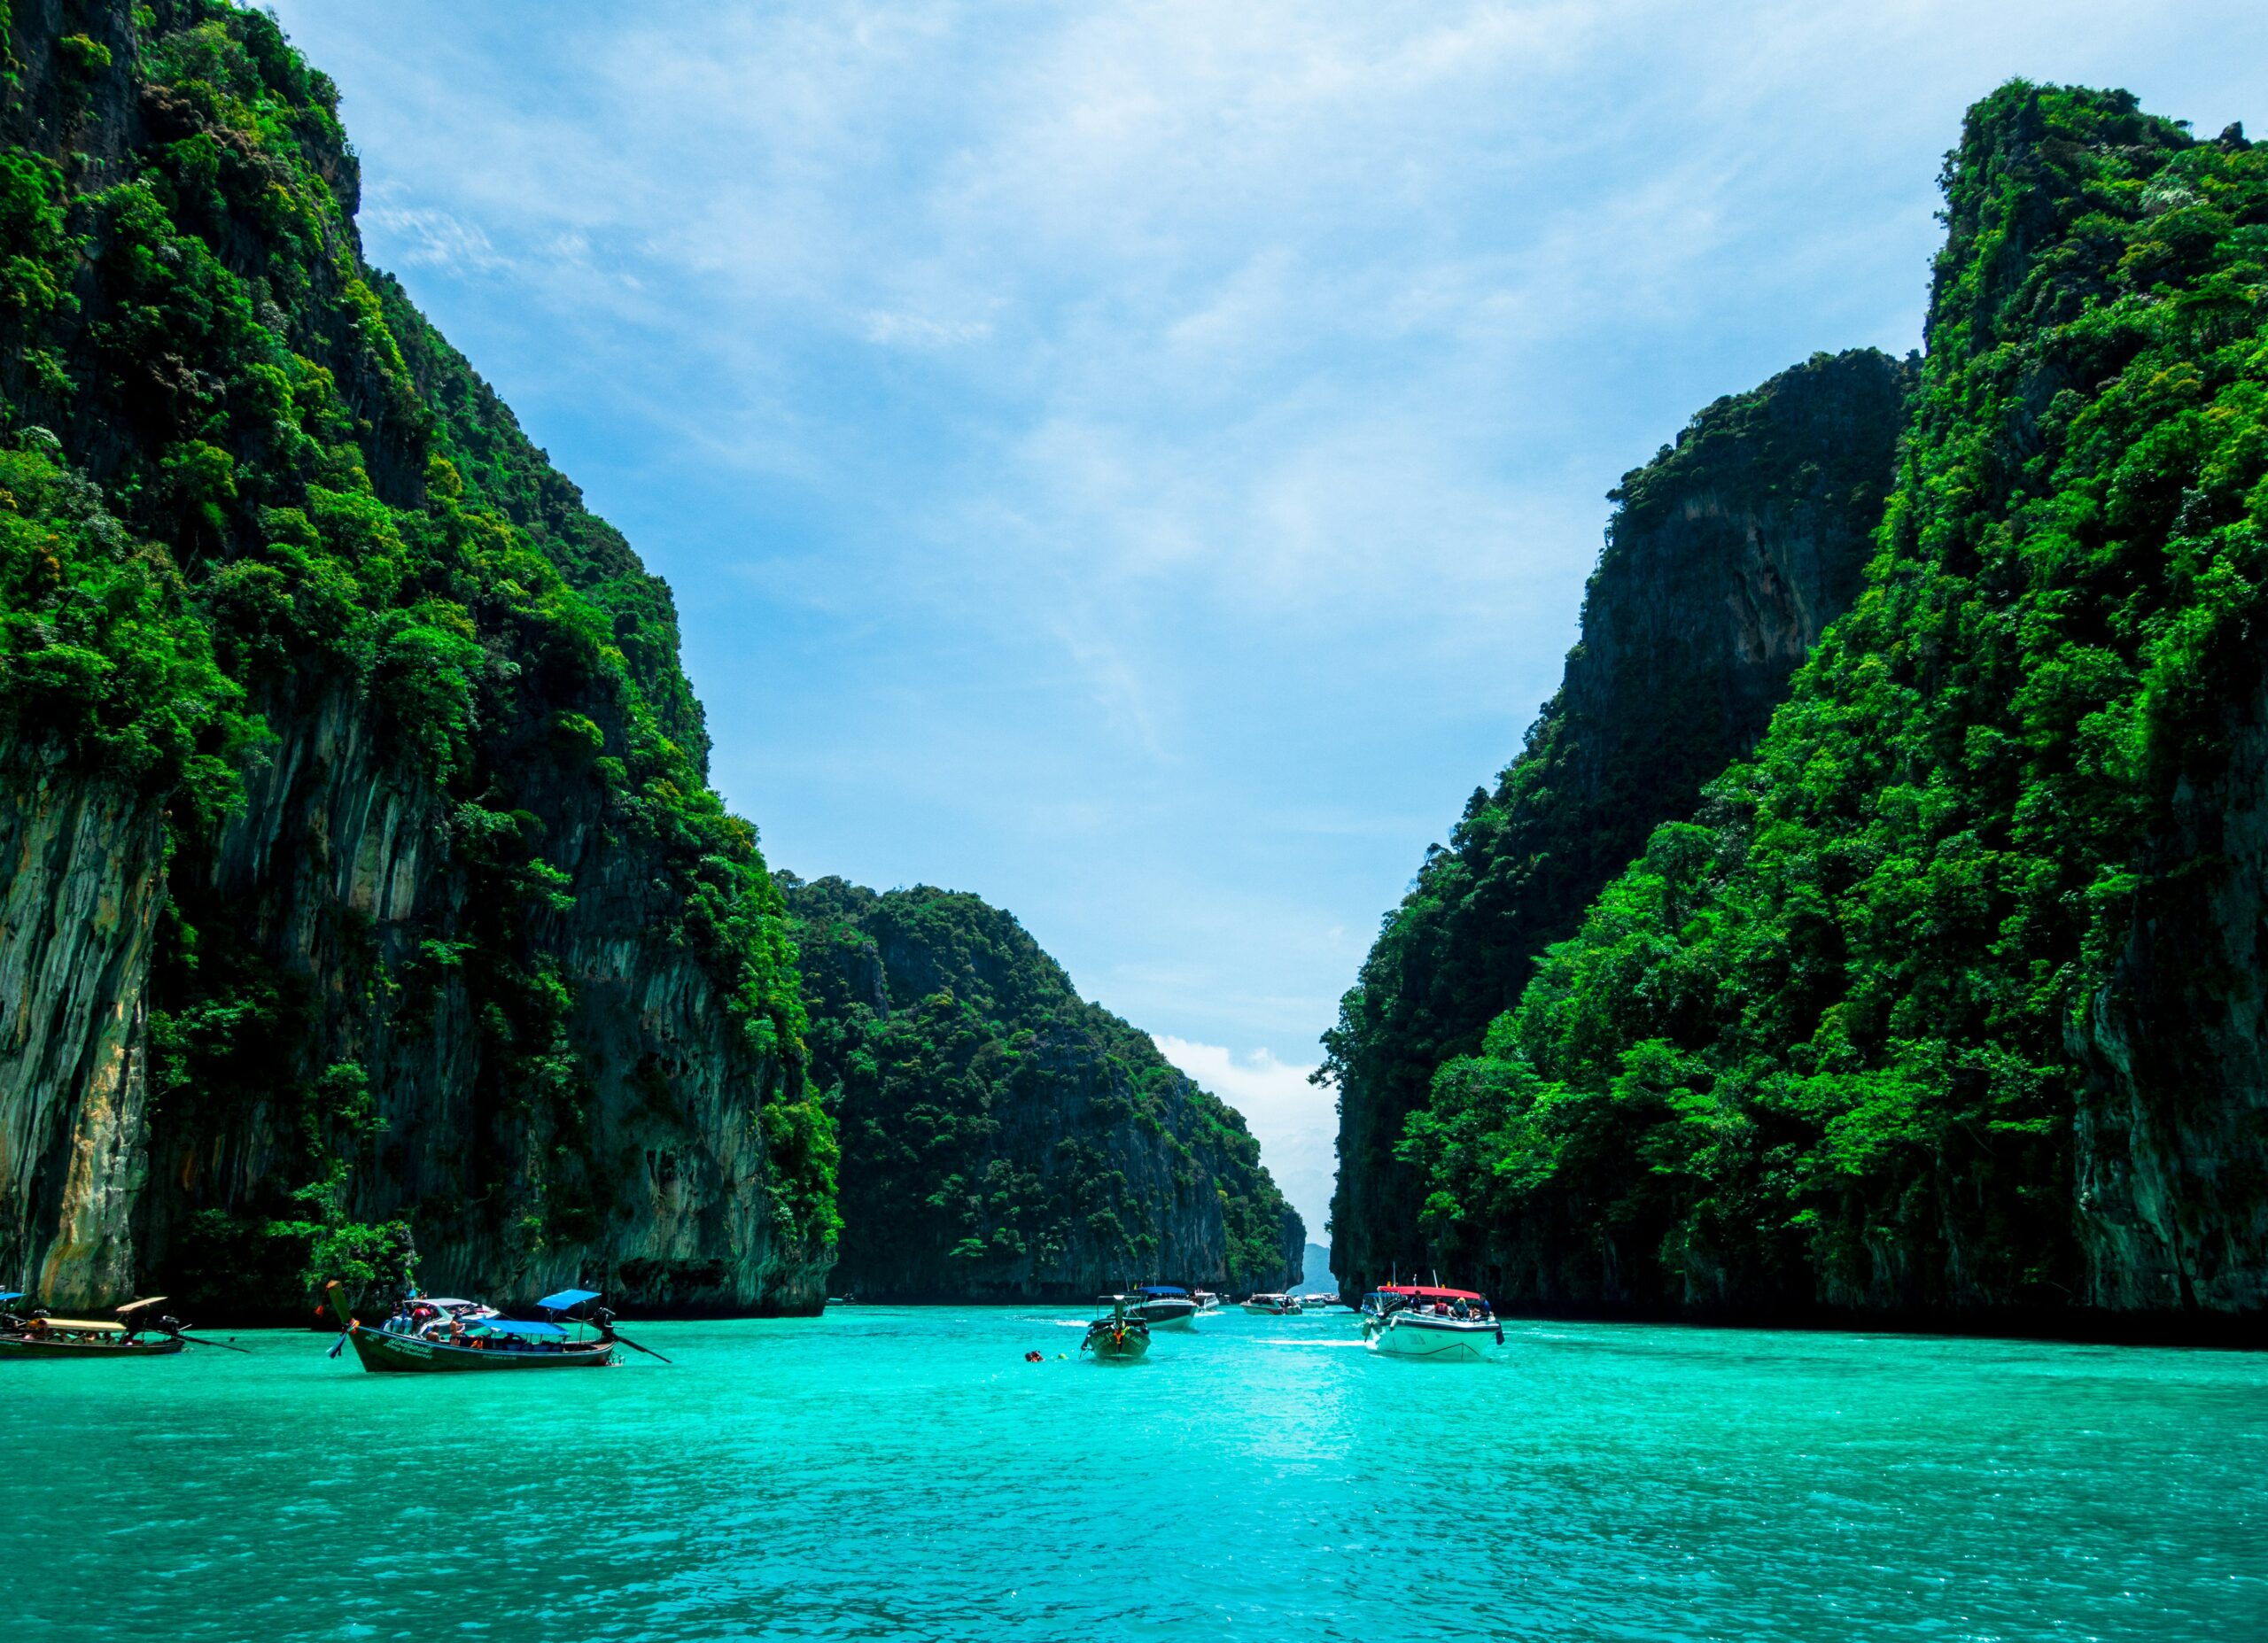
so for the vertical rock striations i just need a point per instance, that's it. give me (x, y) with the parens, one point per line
(361, 871)
(1947, 1006)
(1726, 557)
(1002, 1138)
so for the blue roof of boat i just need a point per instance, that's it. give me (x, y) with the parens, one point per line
(517, 1326)
(11, 1295)
(565, 1298)
(1163, 1289)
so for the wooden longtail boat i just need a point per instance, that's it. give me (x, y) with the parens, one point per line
(1116, 1337)
(39, 1336)
(490, 1343)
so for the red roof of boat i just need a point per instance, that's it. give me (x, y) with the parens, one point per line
(1428, 1293)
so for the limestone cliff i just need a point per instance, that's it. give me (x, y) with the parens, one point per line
(1945, 1008)
(1725, 558)
(361, 872)
(1002, 1138)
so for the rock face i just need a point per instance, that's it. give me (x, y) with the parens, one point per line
(1002, 1139)
(1945, 1008)
(82, 862)
(1726, 557)
(2170, 1133)
(361, 865)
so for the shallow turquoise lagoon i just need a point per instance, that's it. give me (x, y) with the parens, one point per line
(882, 1473)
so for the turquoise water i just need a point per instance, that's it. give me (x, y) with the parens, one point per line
(885, 1473)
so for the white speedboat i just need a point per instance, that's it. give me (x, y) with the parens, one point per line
(1274, 1306)
(1207, 1301)
(1163, 1306)
(1420, 1321)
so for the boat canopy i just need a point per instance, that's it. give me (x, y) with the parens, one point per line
(1426, 1292)
(514, 1326)
(565, 1298)
(10, 1295)
(1163, 1289)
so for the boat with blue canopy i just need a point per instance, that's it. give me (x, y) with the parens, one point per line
(426, 1337)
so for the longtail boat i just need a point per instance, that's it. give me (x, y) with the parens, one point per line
(132, 1334)
(424, 1338)
(1116, 1337)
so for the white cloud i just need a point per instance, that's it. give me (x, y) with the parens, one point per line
(1295, 1121)
(1141, 461)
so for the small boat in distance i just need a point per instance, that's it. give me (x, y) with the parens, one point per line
(135, 1333)
(1425, 1320)
(425, 1337)
(1207, 1301)
(1116, 1337)
(1164, 1306)
(1274, 1306)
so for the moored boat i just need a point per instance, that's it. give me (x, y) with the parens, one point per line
(1116, 1336)
(424, 1337)
(1273, 1306)
(134, 1333)
(1163, 1306)
(1425, 1320)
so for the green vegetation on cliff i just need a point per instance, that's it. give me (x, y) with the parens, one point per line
(243, 478)
(1001, 1136)
(1829, 1043)
(1725, 556)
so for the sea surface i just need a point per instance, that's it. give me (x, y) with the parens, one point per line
(904, 1473)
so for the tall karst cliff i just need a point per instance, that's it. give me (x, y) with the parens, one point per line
(1002, 1138)
(1725, 558)
(359, 865)
(1948, 1004)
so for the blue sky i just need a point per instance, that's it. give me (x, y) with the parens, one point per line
(1139, 463)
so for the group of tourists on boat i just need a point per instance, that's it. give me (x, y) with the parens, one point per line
(1426, 1321)
(137, 1329)
(428, 1334)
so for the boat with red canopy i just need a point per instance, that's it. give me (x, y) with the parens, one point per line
(1426, 1321)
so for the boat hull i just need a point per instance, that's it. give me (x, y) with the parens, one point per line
(1125, 1347)
(1166, 1314)
(1437, 1340)
(383, 1354)
(20, 1346)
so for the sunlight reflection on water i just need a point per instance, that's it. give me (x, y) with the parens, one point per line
(888, 1472)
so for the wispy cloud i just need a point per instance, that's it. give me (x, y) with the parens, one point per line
(1139, 461)
(1295, 1121)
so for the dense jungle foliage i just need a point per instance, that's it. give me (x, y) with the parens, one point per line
(1666, 687)
(999, 1135)
(242, 475)
(1816, 1046)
